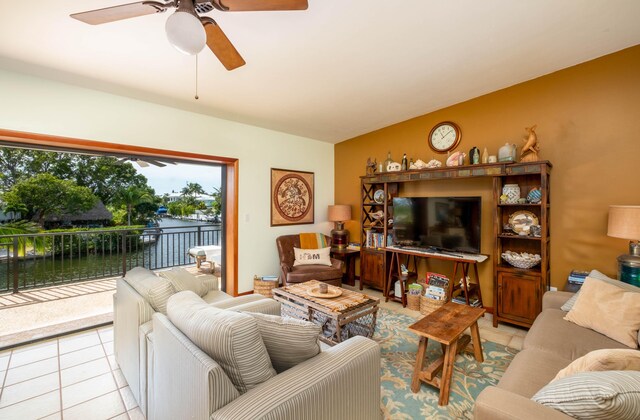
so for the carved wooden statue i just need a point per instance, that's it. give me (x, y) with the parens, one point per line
(371, 167)
(530, 149)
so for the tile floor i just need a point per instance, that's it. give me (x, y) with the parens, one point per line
(76, 376)
(72, 377)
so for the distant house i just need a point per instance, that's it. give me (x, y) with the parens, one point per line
(98, 216)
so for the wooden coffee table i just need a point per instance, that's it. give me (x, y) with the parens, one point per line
(445, 325)
(349, 314)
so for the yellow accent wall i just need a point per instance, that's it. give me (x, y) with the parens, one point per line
(588, 119)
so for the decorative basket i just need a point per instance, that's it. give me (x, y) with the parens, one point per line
(264, 287)
(413, 302)
(428, 305)
(521, 260)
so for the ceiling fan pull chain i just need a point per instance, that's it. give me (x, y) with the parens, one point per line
(196, 77)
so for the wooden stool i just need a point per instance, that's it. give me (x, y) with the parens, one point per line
(445, 325)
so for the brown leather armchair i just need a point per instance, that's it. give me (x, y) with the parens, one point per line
(289, 274)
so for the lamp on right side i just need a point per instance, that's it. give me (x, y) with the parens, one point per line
(624, 222)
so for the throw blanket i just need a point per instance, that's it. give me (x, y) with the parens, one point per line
(312, 241)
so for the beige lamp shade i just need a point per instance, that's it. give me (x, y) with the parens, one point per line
(624, 222)
(339, 213)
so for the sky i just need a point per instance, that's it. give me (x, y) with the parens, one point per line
(175, 177)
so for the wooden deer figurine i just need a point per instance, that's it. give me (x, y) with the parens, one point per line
(530, 149)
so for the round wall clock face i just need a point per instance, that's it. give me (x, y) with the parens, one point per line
(292, 197)
(444, 136)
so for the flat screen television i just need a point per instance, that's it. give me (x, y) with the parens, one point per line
(444, 223)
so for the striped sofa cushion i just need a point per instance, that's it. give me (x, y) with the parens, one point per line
(289, 341)
(183, 280)
(610, 394)
(153, 289)
(230, 338)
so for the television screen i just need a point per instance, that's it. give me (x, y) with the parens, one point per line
(446, 223)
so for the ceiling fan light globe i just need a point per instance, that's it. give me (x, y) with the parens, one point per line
(186, 33)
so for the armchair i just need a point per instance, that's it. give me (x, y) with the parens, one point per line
(289, 274)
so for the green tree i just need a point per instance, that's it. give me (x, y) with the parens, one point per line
(192, 189)
(181, 208)
(19, 228)
(44, 194)
(132, 197)
(190, 192)
(217, 201)
(104, 175)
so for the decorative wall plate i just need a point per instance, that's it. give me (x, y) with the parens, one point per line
(521, 222)
(378, 196)
(291, 197)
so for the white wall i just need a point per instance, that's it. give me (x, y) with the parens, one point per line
(42, 106)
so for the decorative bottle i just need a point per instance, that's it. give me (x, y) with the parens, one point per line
(404, 162)
(387, 162)
(474, 156)
(485, 156)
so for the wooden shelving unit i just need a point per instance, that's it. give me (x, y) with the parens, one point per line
(374, 262)
(518, 293)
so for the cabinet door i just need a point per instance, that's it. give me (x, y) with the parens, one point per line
(518, 297)
(372, 271)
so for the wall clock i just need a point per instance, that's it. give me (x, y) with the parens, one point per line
(444, 136)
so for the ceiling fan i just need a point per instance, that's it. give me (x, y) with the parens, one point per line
(186, 30)
(145, 163)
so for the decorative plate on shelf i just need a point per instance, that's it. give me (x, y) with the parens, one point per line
(378, 196)
(521, 222)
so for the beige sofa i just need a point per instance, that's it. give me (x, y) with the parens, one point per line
(339, 383)
(133, 327)
(550, 345)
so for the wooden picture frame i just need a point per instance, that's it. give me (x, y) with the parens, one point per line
(292, 197)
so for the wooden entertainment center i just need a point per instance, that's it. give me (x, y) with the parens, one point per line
(517, 292)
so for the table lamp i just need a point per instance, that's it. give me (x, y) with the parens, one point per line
(624, 222)
(339, 213)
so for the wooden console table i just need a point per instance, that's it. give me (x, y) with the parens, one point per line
(460, 263)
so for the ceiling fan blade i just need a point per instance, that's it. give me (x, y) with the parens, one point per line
(261, 5)
(221, 46)
(155, 162)
(124, 11)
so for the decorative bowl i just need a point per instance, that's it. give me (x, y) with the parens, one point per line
(521, 260)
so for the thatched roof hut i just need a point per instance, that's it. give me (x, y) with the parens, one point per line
(97, 215)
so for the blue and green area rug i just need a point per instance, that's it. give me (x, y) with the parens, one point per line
(399, 347)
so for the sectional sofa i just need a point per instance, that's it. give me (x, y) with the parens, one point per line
(551, 345)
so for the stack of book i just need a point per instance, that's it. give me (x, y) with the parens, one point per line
(374, 240)
(577, 277)
(473, 301)
(354, 245)
(437, 286)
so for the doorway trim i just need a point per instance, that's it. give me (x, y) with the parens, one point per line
(230, 178)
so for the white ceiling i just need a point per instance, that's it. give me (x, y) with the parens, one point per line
(337, 70)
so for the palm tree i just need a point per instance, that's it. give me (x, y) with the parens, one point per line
(20, 227)
(131, 197)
